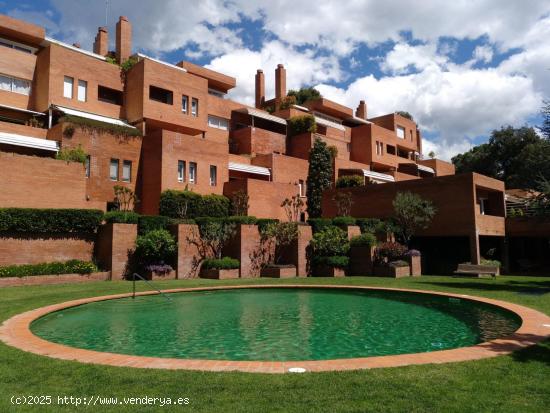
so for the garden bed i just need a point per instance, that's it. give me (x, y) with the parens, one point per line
(54, 279)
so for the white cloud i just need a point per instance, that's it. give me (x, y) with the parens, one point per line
(404, 57)
(483, 54)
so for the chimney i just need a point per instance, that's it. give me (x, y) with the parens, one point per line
(123, 39)
(280, 82)
(260, 88)
(101, 42)
(361, 111)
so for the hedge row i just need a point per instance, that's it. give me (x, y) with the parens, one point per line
(49, 220)
(225, 263)
(367, 225)
(176, 204)
(51, 268)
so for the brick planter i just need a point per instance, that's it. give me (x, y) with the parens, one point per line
(152, 275)
(54, 279)
(219, 274)
(416, 266)
(361, 260)
(279, 271)
(393, 272)
(326, 271)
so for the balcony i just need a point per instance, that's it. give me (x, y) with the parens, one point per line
(251, 140)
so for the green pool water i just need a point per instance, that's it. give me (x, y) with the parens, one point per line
(277, 324)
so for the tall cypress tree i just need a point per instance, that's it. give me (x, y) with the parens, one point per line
(545, 128)
(319, 177)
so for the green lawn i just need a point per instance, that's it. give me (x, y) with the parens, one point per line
(516, 383)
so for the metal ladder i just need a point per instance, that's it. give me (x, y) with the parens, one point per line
(134, 275)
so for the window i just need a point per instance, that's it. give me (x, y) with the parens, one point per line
(161, 95)
(216, 93)
(390, 149)
(68, 87)
(87, 166)
(219, 123)
(181, 171)
(192, 172)
(184, 103)
(194, 107)
(12, 84)
(113, 170)
(82, 90)
(411, 133)
(400, 131)
(17, 46)
(482, 206)
(127, 171)
(379, 148)
(213, 175)
(108, 95)
(301, 188)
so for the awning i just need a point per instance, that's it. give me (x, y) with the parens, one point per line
(92, 116)
(426, 169)
(261, 114)
(329, 123)
(355, 119)
(251, 169)
(28, 141)
(32, 112)
(377, 176)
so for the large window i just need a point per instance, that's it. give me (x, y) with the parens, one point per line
(213, 175)
(68, 83)
(193, 172)
(12, 84)
(181, 171)
(219, 123)
(108, 95)
(184, 104)
(159, 94)
(82, 90)
(17, 46)
(194, 107)
(113, 170)
(127, 171)
(400, 131)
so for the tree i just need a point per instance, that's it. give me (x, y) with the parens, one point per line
(214, 235)
(293, 208)
(405, 114)
(304, 94)
(344, 202)
(411, 213)
(431, 154)
(319, 177)
(545, 128)
(125, 198)
(239, 203)
(283, 233)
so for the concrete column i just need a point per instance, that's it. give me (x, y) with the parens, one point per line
(474, 249)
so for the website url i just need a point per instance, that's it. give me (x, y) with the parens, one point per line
(95, 400)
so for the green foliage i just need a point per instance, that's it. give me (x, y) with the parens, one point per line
(350, 181)
(128, 64)
(49, 221)
(304, 94)
(72, 155)
(511, 155)
(155, 247)
(319, 177)
(493, 263)
(364, 240)
(337, 261)
(319, 224)
(263, 223)
(214, 235)
(51, 268)
(225, 263)
(545, 127)
(329, 242)
(371, 225)
(344, 221)
(111, 60)
(301, 124)
(284, 234)
(541, 203)
(411, 213)
(343, 201)
(405, 114)
(91, 125)
(188, 204)
(390, 251)
(148, 223)
(333, 152)
(239, 202)
(121, 217)
(287, 102)
(241, 219)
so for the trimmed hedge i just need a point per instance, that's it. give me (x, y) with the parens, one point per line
(338, 261)
(155, 247)
(330, 242)
(225, 263)
(319, 224)
(148, 223)
(364, 240)
(241, 219)
(50, 220)
(212, 205)
(264, 222)
(371, 225)
(350, 181)
(121, 217)
(344, 222)
(50, 268)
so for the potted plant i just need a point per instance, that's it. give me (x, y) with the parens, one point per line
(414, 259)
(362, 254)
(153, 251)
(283, 234)
(220, 268)
(330, 248)
(389, 260)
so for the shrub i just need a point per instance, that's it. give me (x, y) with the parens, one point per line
(350, 181)
(215, 233)
(225, 263)
(493, 263)
(72, 154)
(371, 225)
(287, 102)
(52, 268)
(304, 94)
(188, 204)
(148, 223)
(343, 202)
(344, 222)
(50, 220)
(319, 224)
(241, 219)
(338, 261)
(121, 217)
(92, 125)
(364, 240)
(239, 202)
(263, 223)
(412, 213)
(301, 124)
(390, 251)
(159, 269)
(284, 234)
(331, 241)
(157, 246)
(125, 199)
(413, 253)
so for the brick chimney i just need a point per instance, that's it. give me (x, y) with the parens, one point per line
(260, 88)
(361, 111)
(101, 42)
(123, 39)
(280, 82)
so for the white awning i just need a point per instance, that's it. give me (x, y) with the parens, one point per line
(300, 108)
(28, 141)
(251, 169)
(329, 123)
(426, 169)
(261, 114)
(377, 176)
(32, 112)
(92, 116)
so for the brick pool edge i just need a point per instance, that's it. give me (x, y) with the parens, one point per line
(535, 328)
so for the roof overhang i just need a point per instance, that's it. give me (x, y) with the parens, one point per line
(261, 114)
(28, 141)
(426, 169)
(143, 56)
(329, 123)
(92, 116)
(216, 80)
(251, 169)
(48, 40)
(357, 120)
(377, 176)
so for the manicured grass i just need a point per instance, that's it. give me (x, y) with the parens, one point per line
(516, 383)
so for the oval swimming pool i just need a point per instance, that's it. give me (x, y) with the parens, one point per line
(277, 324)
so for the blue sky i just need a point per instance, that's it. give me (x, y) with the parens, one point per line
(461, 69)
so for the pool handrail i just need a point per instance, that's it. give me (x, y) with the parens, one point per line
(134, 275)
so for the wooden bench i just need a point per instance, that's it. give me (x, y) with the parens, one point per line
(473, 270)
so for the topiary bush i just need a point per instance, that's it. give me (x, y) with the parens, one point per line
(344, 222)
(329, 242)
(225, 263)
(188, 204)
(121, 217)
(364, 240)
(157, 246)
(51, 221)
(350, 181)
(319, 224)
(51, 268)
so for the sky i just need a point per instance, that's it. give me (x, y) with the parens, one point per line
(462, 68)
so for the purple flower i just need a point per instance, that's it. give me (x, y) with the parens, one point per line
(413, 253)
